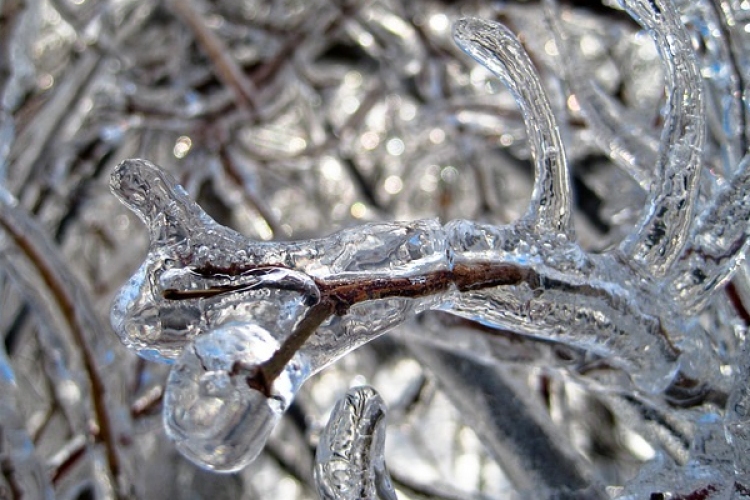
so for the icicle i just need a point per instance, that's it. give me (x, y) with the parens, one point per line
(664, 228)
(495, 47)
(349, 463)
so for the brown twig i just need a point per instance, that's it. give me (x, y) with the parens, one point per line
(339, 295)
(34, 244)
(218, 53)
(147, 403)
(74, 451)
(270, 370)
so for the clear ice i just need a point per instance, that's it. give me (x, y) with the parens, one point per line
(214, 415)
(221, 307)
(349, 462)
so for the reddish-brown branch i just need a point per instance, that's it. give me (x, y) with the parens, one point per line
(20, 232)
(340, 294)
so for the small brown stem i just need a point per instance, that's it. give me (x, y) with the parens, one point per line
(76, 449)
(219, 54)
(339, 295)
(147, 403)
(271, 369)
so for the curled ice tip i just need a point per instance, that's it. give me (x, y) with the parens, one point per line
(350, 463)
(217, 416)
(142, 186)
(153, 194)
(483, 39)
(482, 31)
(495, 47)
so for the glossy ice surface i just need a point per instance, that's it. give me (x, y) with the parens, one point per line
(552, 242)
(205, 291)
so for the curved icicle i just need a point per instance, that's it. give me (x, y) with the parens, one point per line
(717, 243)
(495, 47)
(662, 232)
(627, 144)
(349, 463)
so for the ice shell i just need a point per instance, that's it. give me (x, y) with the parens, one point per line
(350, 463)
(216, 419)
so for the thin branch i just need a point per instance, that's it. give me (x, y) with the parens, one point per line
(147, 403)
(67, 457)
(270, 370)
(10, 13)
(219, 54)
(74, 307)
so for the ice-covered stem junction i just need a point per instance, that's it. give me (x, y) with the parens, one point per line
(199, 275)
(246, 322)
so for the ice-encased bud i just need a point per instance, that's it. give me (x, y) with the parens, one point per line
(212, 412)
(350, 463)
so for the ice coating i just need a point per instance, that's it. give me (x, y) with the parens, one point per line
(204, 290)
(193, 258)
(349, 462)
(380, 273)
(665, 224)
(495, 47)
(213, 412)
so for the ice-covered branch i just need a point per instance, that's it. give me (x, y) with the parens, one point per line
(74, 308)
(618, 135)
(718, 240)
(664, 228)
(316, 300)
(350, 462)
(495, 47)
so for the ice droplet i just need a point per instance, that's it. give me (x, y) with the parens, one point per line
(211, 411)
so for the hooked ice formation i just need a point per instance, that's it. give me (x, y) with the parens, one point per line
(226, 310)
